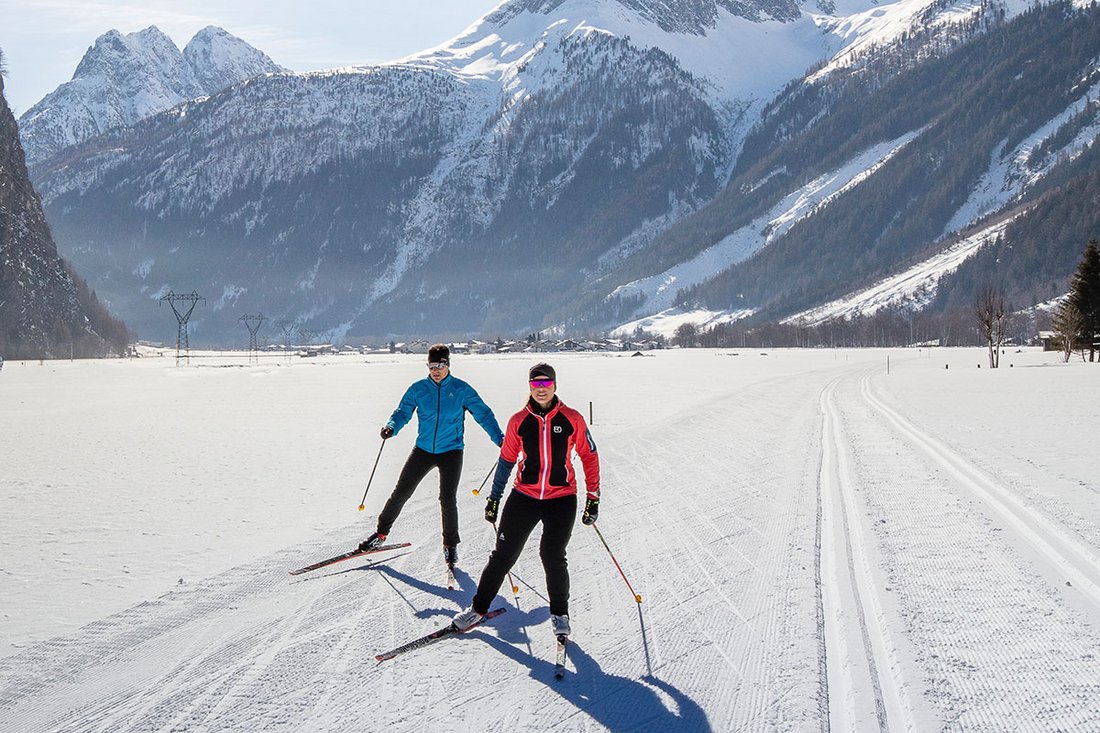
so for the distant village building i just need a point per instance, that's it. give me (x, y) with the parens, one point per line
(1050, 341)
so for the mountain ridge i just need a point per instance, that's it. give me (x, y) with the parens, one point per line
(46, 310)
(402, 198)
(123, 79)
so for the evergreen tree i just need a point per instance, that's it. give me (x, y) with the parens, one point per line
(1084, 295)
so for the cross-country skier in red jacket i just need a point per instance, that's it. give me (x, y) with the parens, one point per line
(542, 438)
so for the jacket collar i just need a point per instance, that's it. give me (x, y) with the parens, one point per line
(534, 408)
(442, 382)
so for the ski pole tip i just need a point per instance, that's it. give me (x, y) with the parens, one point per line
(638, 598)
(477, 492)
(362, 507)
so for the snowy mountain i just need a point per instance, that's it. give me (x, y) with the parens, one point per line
(920, 179)
(126, 78)
(582, 162)
(46, 310)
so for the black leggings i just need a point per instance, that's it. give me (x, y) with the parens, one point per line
(517, 520)
(416, 468)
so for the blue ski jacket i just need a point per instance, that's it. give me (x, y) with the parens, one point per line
(441, 413)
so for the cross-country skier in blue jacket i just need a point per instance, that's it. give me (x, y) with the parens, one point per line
(440, 402)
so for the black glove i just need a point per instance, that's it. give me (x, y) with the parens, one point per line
(387, 432)
(591, 511)
(491, 509)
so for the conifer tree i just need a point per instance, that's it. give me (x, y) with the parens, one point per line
(1084, 295)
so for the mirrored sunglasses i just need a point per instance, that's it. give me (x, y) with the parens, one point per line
(437, 364)
(541, 383)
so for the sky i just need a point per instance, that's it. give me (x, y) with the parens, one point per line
(44, 40)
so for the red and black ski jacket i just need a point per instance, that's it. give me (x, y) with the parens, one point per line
(543, 444)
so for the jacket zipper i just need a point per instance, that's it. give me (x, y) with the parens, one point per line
(438, 405)
(544, 433)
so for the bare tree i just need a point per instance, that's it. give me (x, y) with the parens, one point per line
(992, 320)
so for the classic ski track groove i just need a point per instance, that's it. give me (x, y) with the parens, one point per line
(853, 608)
(1058, 547)
(978, 647)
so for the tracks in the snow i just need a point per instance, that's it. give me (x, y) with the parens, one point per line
(1066, 556)
(939, 584)
(865, 688)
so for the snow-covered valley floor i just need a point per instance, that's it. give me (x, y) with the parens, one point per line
(819, 545)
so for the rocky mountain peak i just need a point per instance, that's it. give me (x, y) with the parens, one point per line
(124, 78)
(693, 17)
(219, 59)
(114, 55)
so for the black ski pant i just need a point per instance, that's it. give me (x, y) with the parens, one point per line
(416, 468)
(517, 520)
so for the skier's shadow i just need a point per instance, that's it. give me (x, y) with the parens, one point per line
(465, 590)
(618, 703)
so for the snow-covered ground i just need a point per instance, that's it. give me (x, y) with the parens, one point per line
(819, 544)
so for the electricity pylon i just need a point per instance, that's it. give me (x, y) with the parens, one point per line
(182, 316)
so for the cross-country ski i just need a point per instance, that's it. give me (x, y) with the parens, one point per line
(560, 654)
(451, 581)
(348, 556)
(442, 633)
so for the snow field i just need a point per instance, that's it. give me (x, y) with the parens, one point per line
(993, 637)
(818, 544)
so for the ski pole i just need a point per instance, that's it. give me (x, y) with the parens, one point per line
(477, 491)
(363, 503)
(599, 534)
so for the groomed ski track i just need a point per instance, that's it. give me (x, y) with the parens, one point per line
(819, 545)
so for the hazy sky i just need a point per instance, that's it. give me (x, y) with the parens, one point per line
(44, 40)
